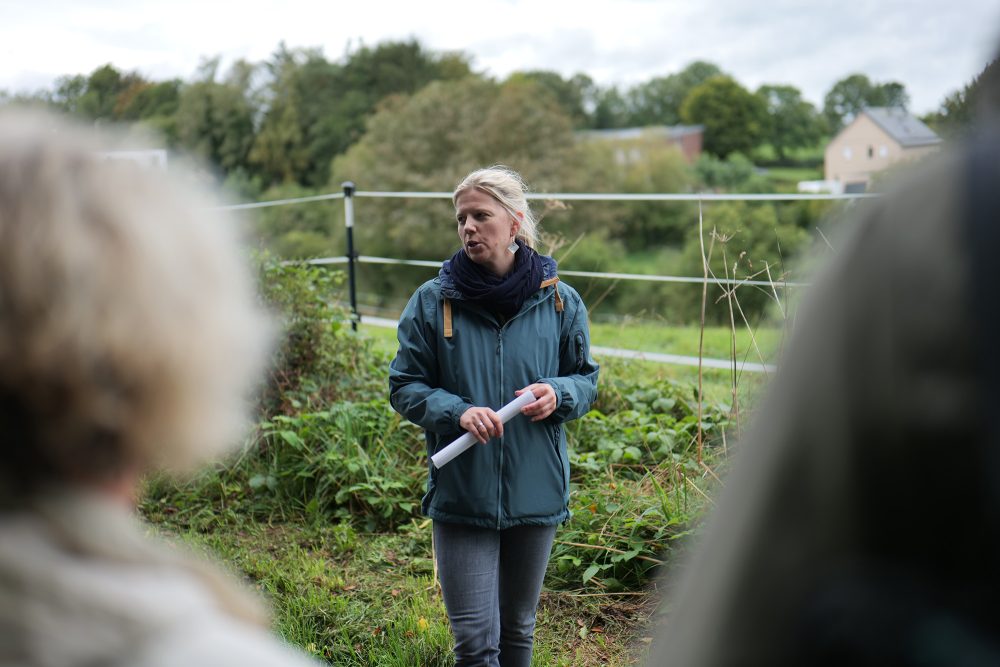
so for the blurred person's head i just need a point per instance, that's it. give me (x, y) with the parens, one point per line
(492, 211)
(130, 334)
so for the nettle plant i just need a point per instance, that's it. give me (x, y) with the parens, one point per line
(637, 484)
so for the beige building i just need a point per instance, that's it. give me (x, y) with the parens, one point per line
(875, 139)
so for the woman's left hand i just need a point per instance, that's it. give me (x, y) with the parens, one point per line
(545, 401)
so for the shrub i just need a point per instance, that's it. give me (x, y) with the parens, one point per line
(330, 450)
(621, 531)
(320, 359)
(355, 461)
(632, 471)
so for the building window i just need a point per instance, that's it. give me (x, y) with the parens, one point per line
(847, 152)
(871, 152)
(883, 151)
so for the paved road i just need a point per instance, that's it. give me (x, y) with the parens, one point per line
(600, 351)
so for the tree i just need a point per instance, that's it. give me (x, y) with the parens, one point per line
(429, 140)
(144, 99)
(303, 126)
(370, 75)
(645, 225)
(856, 92)
(107, 94)
(791, 121)
(103, 87)
(957, 113)
(317, 85)
(215, 118)
(733, 117)
(734, 174)
(610, 109)
(892, 94)
(278, 151)
(846, 98)
(314, 109)
(153, 105)
(569, 94)
(69, 90)
(399, 67)
(95, 97)
(659, 100)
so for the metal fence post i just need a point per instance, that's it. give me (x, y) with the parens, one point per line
(351, 255)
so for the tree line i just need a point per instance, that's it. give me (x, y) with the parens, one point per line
(285, 119)
(397, 116)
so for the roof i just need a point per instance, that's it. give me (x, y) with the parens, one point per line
(902, 126)
(629, 133)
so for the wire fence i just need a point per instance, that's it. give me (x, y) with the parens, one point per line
(352, 258)
(733, 282)
(564, 196)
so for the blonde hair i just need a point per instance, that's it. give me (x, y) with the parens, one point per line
(130, 333)
(508, 188)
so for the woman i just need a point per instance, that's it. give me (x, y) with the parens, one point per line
(129, 339)
(494, 323)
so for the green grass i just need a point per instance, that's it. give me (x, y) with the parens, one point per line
(789, 177)
(810, 155)
(384, 338)
(663, 260)
(370, 599)
(684, 340)
(300, 515)
(354, 595)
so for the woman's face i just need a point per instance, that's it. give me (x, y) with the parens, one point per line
(485, 229)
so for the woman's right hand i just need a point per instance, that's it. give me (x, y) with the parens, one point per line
(483, 423)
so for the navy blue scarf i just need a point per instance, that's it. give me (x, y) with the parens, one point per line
(503, 295)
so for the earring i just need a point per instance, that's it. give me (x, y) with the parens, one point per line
(512, 248)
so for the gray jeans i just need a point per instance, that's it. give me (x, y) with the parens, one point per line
(491, 580)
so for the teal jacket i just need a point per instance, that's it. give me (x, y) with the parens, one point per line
(522, 478)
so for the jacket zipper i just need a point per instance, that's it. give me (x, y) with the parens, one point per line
(503, 401)
(499, 354)
(500, 467)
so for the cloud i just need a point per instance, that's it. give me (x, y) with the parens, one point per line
(931, 47)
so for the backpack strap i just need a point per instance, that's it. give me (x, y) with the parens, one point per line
(554, 282)
(447, 318)
(446, 309)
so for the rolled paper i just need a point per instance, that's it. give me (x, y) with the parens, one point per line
(466, 440)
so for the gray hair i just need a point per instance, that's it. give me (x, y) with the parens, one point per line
(130, 331)
(508, 188)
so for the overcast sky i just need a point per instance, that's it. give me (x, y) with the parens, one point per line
(933, 47)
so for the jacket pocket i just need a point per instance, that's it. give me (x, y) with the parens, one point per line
(535, 472)
(561, 457)
(580, 349)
